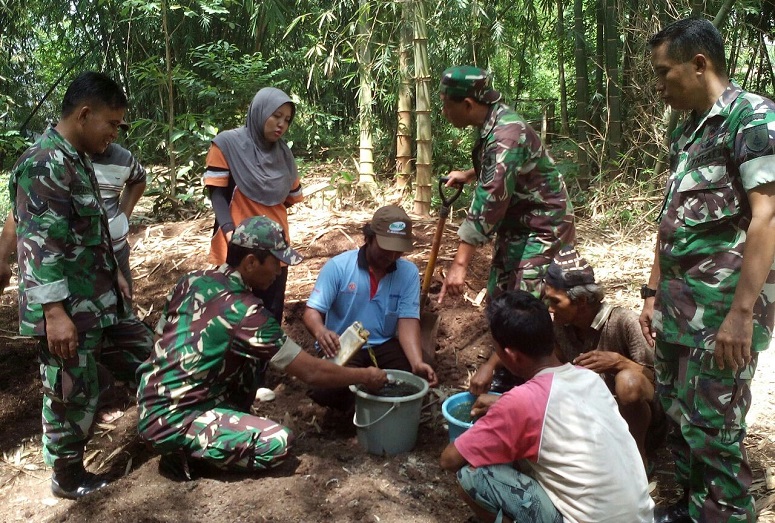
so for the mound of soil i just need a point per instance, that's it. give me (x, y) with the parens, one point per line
(329, 478)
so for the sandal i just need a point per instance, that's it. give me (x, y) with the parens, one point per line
(108, 415)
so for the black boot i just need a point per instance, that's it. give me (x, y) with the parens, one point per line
(678, 512)
(73, 482)
(175, 466)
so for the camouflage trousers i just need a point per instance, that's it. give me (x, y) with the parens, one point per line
(519, 263)
(505, 491)
(71, 387)
(506, 275)
(236, 441)
(706, 409)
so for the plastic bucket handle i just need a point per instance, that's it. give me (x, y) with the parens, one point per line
(363, 426)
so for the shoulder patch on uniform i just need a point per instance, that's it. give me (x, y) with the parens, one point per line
(757, 137)
(39, 170)
(487, 173)
(37, 205)
(751, 117)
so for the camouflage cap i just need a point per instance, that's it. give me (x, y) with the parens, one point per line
(261, 233)
(467, 81)
(568, 269)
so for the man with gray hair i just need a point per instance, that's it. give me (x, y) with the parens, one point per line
(606, 339)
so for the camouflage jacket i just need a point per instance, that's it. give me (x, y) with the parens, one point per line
(714, 160)
(212, 335)
(63, 242)
(519, 193)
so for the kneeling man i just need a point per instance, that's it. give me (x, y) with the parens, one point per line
(538, 453)
(197, 387)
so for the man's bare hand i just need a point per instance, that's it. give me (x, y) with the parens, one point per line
(600, 361)
(481, 380)
(124, 286)
(455, 281)
(645, 320)
(733, 341)
(61, 334)
(375, 379)
(482, 404)
(427, 372)
(460, 177)
(328, 342)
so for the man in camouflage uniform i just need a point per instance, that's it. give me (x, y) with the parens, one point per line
(71, 295)
(520, 198)
(709, 299)
(197, 387)
(122, 182)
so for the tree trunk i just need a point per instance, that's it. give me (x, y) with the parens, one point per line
(769, 69)
(170, 102)
(582, 108)
(561, 69)
(404, 129)
(365, 98)
(614, 90)
(596, 111)
(422, 78)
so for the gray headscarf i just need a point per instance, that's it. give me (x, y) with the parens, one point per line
(263, 171)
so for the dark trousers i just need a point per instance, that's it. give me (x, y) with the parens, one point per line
(389, 355)
(274, 296)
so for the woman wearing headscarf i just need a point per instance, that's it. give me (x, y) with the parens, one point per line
(252, 172)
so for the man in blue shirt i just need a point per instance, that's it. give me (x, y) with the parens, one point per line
(376, 287)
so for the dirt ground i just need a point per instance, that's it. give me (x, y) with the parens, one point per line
(329, 478)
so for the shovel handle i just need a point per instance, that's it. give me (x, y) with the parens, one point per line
(426, 281)
(446, 202)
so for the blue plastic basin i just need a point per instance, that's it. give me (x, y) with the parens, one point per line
(457, 412)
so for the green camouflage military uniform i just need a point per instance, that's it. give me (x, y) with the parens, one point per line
(65, 255)
(196, 389)
(715, 159)
(521, 200)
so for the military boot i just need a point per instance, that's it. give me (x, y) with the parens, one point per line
(678, 512)
(73, 482)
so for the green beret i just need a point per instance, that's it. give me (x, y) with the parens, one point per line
(261, 233)
(467, 81)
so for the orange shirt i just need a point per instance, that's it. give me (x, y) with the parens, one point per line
(241, 206)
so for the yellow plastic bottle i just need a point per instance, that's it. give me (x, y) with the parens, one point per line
(351, 340)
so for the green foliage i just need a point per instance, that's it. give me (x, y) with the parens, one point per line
(215, 54)
(212, 94)
(315, 132)
(12, 144)
(5, 200)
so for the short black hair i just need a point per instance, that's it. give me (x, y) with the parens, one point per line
(368, 232)
(689, 37)
(520, 321)
(458, 98)
(236, 253)
(97, 88)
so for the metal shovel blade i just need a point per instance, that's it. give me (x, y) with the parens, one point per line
(429, 328)
(429, 321)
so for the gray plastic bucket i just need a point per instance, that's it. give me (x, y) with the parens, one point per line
(388, 426)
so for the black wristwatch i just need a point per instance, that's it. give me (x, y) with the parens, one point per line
(647, 292)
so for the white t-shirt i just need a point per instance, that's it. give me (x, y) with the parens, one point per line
(565, 424)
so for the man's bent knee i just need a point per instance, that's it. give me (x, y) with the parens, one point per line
(632, 387)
